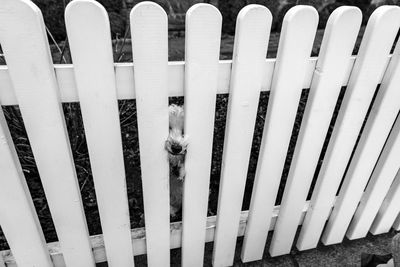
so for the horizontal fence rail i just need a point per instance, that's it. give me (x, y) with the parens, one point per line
(125, 84)
(365, 136)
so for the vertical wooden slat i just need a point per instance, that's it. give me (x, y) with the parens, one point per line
(379, 124)
(337, 44)
(396, 225)
(251, 41)
(374, 50)
(150, 55)
(3, 264)
(24, 41)
(18, 217)
(389, 210)
(360, 90)
(373, 56)
(295, 44)
(203, 34)
(379, 184)
(95, 80)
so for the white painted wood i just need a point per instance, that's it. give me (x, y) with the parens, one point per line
(18, 218)
(329, 180)
(2, 263)
(396, 225)
(203, 35)
(125, 80)
(389, 209)
(250, 48)
(149, 29)
(378, 39)
(295, 44)
(95, 79)
(32, 75)
(379, 184)
(139, 238)
(378, 127)
(337, 45)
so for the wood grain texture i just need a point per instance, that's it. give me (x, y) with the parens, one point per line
(35, 85)
(203, 35)
(295, 44)
(149, 28)
(251, 41)
(95, 80)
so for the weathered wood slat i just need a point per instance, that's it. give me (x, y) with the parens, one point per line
(203, 34)
(126, 85)
(295, 44)
(35, 85)
(378, 127)
(377, 41)
(95, 80)
(337, 45)
(389, 210)
(150, 45)
(18, 218)
(250, 48)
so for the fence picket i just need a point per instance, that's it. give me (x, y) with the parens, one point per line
(375, 46)
(250, 48)
(95, 79)
(337, 44)
(389, 209)
(203, 34)
(362, 84)
(379, 184)
(32, 75)
(379, 124)
(18, 217)
(396, 225)
(298, 32)
(149, 29)
(385, 21)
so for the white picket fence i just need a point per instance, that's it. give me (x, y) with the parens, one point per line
(370, 194)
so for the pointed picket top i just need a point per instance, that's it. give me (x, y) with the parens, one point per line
(149, 28)
(249, 53)
(95, 79)
(202, 44)
(24, 41)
